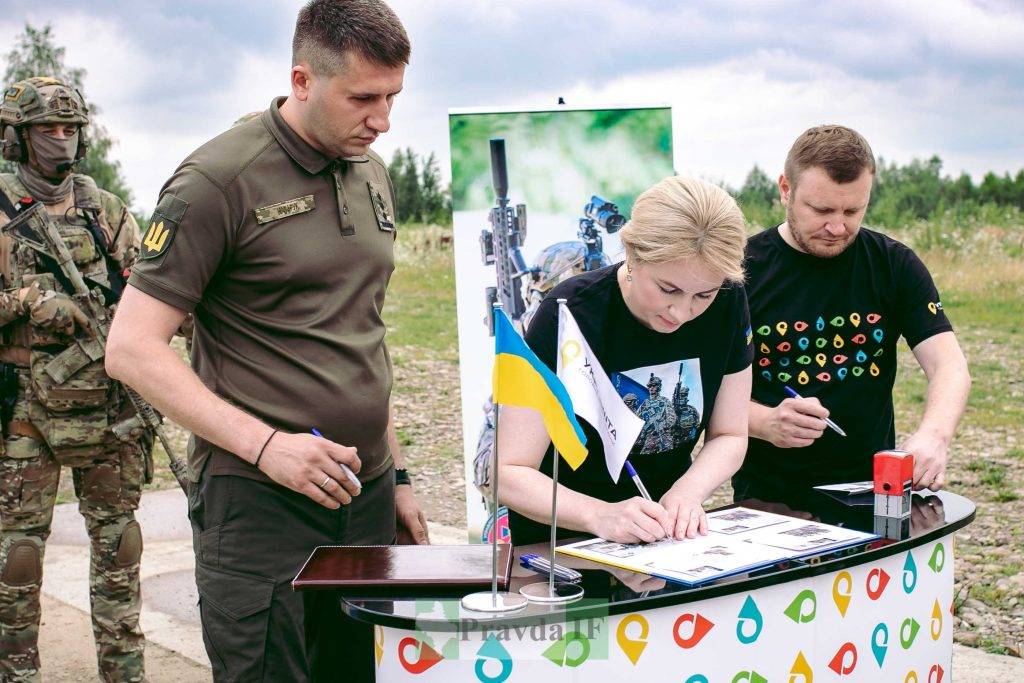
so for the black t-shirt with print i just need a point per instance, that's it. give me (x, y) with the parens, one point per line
(669, 380)
(828, 328)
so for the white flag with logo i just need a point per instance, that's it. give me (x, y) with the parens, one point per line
(593, 396)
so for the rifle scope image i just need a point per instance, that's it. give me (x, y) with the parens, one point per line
(605, 214)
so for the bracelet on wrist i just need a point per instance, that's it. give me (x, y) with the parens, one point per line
(402, 477)
(256, 462)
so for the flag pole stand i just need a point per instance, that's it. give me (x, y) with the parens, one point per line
(551, 591)
(494, 601)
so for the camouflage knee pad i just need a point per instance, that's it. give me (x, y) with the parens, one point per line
(23, 563)
(129, 547)
(20, 580)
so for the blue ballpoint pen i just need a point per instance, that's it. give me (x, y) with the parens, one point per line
(792, 394)
(344, 468)
(541, 565)
(636, 480)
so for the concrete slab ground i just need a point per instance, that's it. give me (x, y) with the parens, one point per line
(170, 618)
(170, 615)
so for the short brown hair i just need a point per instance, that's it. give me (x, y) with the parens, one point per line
(328, 29)
(842, 152)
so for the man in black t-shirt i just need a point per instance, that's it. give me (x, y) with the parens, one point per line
(828, 303)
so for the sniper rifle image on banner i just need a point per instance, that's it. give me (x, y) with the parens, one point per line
(500, 245)
(33, 229)
(521, 288)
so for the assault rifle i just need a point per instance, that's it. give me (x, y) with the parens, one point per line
(501, 244)
(32, 227)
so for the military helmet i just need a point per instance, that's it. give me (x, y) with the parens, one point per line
(558, 262)
(39, 99)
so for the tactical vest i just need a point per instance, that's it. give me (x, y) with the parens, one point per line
(74, 402)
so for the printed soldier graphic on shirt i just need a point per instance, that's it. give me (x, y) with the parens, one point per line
(669, 399)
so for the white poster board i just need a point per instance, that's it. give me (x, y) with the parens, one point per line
(558, 163)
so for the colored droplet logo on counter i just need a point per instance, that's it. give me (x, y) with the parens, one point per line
(876, 582)
(880, 643)
(908, 632)
(695, 626)
(936, 626)
(801, 671)
(492, 652)
(938, 559)
(845, 660)
(426, 656)
(803, 608)
(909, 574)
(749, 622)
(633, 647)
(378, 643)
(842, 591)
(570, 650)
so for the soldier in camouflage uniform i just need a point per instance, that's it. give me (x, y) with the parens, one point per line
(659, 417)
(555, 263)
(687, 417)
(48, 423)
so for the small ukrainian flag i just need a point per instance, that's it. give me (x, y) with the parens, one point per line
(521, 379)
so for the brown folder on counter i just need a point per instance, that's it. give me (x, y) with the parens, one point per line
(403, 568)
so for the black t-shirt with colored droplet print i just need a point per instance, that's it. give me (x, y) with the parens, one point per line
(828, 328)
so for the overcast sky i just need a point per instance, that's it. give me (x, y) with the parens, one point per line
(743, 78)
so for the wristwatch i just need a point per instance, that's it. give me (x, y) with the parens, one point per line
(402, 477)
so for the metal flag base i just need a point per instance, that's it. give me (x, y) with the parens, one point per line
(551, 592)
(486, 601)
(542, 591)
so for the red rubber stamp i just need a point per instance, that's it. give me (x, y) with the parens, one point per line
(893, 476)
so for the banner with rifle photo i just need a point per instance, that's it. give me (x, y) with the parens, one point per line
(559, 184)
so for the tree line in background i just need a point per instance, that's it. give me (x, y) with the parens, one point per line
(902, 195)
(421, 196)
(35, 54)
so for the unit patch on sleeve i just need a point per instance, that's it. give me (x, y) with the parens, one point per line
(162, 226)
(281, 210)
(385, 221)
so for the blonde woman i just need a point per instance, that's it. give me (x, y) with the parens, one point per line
(670, 327)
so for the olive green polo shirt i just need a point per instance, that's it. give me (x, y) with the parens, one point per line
(284, 256)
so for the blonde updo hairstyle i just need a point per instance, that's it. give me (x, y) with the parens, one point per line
(684, 217)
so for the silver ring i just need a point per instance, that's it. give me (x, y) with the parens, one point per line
(327, 478)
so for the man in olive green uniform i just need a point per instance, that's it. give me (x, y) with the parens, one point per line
(49, 421)
(278, 235)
